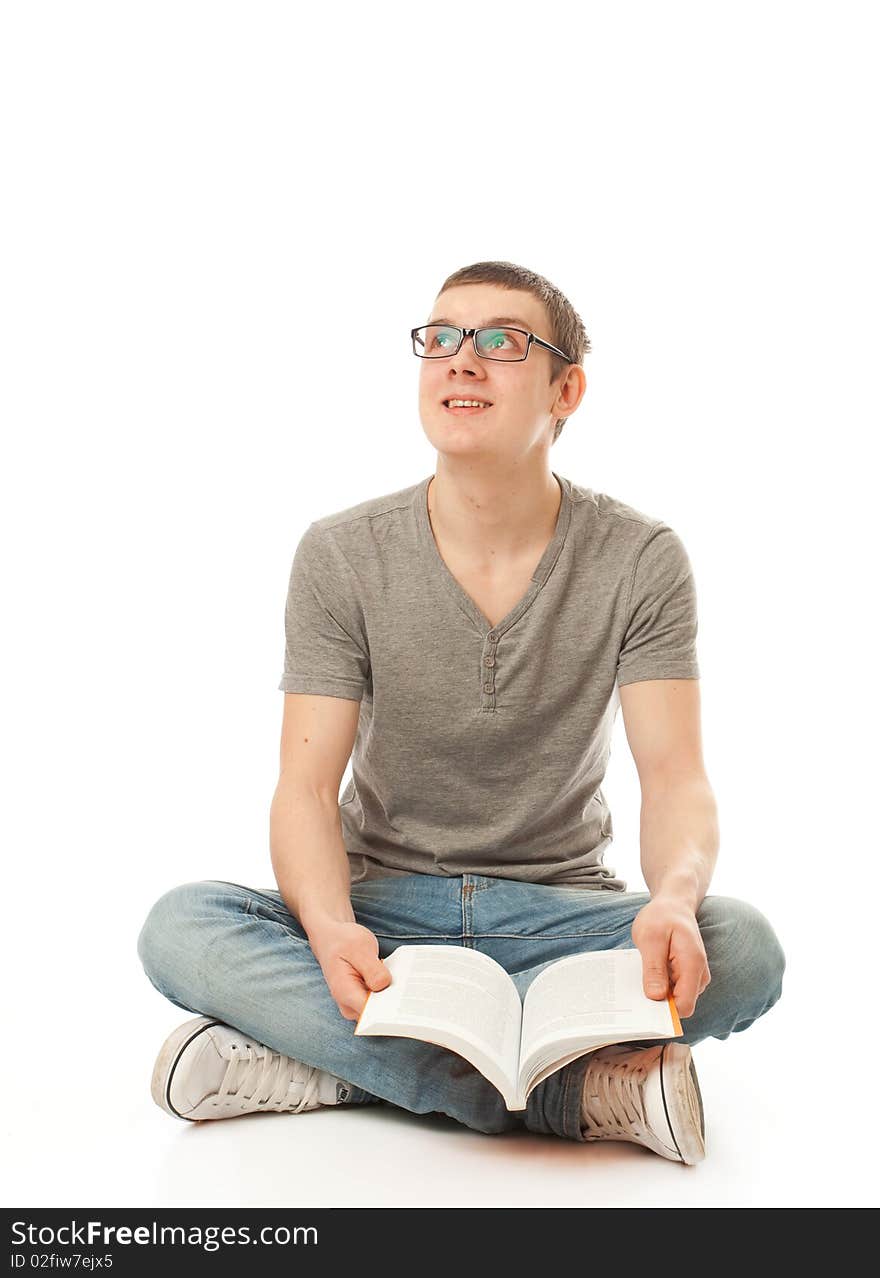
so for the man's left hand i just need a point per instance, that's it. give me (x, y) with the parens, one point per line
(667, 935)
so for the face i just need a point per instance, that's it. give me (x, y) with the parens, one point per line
(523, 404)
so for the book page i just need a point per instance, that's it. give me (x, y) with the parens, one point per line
(598, 996)
(453, 996)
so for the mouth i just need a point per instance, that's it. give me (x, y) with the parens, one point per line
(463, 410)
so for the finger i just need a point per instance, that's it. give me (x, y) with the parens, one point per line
(654, 972)
(351, 995)
(376, 975)
(685, 1003)
(366, 975)
(688, 988)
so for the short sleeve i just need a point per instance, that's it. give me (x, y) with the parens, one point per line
(325, 649)
(660, 638)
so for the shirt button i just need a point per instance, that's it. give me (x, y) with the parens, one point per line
(492, 636)
(487, 687)
(489, 661)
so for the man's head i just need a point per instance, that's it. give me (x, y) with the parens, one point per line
(531, 398)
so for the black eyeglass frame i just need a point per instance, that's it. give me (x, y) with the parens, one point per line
(472, 333)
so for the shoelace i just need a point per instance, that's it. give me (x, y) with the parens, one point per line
(264, 1077)
(612, 1101)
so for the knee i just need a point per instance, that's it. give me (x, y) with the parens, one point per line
(742, 948)
(170, 931)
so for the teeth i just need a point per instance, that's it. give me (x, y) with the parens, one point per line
(467, 403)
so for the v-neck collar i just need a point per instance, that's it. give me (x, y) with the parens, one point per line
(437, 564)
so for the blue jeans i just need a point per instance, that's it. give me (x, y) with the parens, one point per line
(237, 954)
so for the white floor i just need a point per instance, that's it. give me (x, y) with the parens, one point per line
(81, 1130)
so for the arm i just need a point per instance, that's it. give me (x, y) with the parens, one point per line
(305, 832)
(679, 820)
(679, 833)
(308, 853)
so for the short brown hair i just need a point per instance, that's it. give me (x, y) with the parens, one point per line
(566, 326)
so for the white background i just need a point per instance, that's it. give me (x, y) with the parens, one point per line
(199, 198)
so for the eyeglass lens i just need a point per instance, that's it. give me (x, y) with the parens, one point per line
(435, 341)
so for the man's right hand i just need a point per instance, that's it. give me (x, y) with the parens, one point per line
(349, 958)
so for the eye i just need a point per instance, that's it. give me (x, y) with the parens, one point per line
(444, 337)
(493, 339)
(501, 343)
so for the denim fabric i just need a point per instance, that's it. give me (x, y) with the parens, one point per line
(236, 953)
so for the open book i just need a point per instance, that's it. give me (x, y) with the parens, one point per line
(465, 1001)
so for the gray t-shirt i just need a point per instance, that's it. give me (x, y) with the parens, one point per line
(481, 749)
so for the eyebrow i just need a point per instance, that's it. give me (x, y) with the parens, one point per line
(495, 319)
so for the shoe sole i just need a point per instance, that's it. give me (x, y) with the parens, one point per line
(683, 1102)
(167, 1060)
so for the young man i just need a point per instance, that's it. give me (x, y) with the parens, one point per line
(467, 641)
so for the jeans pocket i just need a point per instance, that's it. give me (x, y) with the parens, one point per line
(263, 907)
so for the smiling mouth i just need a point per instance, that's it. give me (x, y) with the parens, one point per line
(481, 409)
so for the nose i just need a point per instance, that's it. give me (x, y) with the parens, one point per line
(467, 358)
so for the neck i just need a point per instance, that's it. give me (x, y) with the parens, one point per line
(494, 519)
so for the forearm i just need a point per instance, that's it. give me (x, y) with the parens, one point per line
(309, 857)
(679, 839)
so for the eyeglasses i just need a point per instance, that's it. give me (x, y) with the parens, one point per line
(440, 341)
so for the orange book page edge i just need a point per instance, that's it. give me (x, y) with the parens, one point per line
(674, 1010)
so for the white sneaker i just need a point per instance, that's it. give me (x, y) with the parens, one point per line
(206, 1069)
(649, 1096)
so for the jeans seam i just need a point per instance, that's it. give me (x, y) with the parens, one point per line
(577, 1133)
(277, 918)
(417, 936)
(542, 936)
(270, 904)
